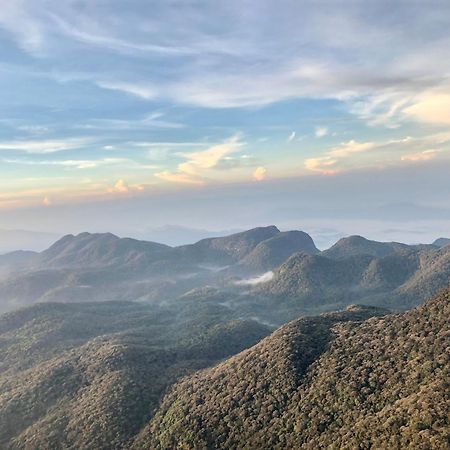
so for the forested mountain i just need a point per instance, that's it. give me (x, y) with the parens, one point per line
(104, 267)
(357, 245)
(441, 242)
(91, 375)
(400, 280)
(325, 382)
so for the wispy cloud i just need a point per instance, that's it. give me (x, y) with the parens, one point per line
(291, 137)
(45, 146)
(198, 163)
(426, 155)
(138, 90)
(154, 120)
(355, 155)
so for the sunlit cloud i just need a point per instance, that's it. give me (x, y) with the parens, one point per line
(356, 155)
(426, 155)
(179, 177)
(431, 107)
(198, 163)
(260, 173)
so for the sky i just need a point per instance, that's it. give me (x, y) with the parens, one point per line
(329, 116)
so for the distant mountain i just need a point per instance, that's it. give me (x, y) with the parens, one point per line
(272, 252)
(325, 382)
(91, 375)
(104, 267)
(228, 249)
(357, 245)
(441, 242)
(13, 240)
(94, 250)
(314, 283)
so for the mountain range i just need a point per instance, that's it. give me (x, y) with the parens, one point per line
(299, 278)
(122, 375)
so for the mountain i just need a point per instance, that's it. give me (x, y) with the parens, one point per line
(91, 375)
(398, 281)
(334, 381)
(103, 267)
(358, 245)
(441, 242)
(228, 249)
(272, 252)
(93, 250)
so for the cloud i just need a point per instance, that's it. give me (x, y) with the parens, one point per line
(264, 278)
(122, 187)
(431, 107)
(291, 137)
(46, 201)
(426, 155)
(153, 120)
(356, 155)
(144, 92)
(197, 163)
(179, 177)
(260, 174)
(321, 132)
(328, 164)
(44, 146)
(84, 164)
(28, 32)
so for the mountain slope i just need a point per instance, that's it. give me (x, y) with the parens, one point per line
(441, 242)
(318, 383)
(90, 375)
(94, 250)
(357, 245)
(228, 249)
(272, 252)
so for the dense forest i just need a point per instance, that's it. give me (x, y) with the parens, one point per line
(245, 341)
(325, 382)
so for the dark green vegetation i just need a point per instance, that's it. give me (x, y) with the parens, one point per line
(325, 382)
(91, 375)
(102, 372)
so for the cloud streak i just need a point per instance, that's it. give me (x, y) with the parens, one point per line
(197, 164)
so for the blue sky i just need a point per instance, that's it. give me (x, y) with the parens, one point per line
(106, 100)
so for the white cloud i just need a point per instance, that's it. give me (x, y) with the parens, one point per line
(141, 91)
(45, 146)
(264, 278)
(291, 136)
(198, 163)
(321, 132)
